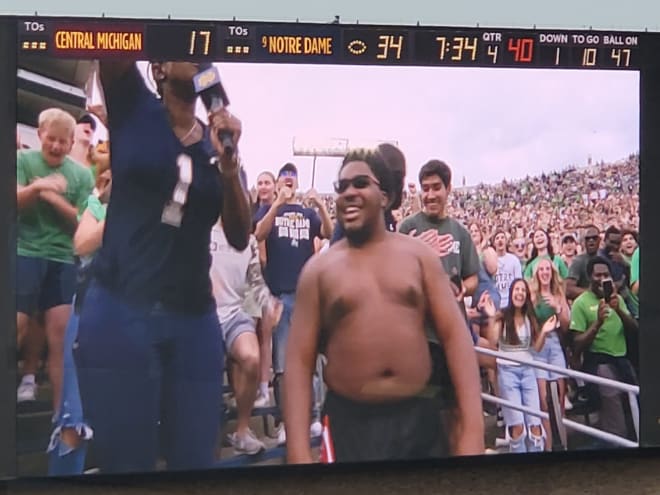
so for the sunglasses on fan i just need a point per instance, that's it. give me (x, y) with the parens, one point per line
(358, 182)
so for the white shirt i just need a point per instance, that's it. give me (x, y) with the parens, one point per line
(508, 269)
(228, 274)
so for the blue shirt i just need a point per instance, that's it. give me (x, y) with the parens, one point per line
(289, 245)
(619, 270)
(144, 258)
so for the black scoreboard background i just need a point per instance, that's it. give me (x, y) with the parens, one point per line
(330, 43)
(356, 44)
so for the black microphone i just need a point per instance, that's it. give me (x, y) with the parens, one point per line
(209, 88)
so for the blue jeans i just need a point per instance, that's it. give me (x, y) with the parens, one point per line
(150, 380)
(63, 459)
(280, 340)
(281, 332)
(553, 354)
(518, 385)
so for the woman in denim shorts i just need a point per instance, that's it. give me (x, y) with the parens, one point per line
(549, 300)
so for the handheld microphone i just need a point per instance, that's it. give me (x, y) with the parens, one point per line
(208, 86)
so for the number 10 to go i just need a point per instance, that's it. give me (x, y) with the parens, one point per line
(204, 36)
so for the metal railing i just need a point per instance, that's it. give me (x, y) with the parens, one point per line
(631, 390)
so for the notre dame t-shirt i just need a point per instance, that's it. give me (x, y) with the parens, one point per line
(463, 259)
(289, 245)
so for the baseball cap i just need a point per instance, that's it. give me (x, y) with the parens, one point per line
(87, 119)
(567, 238)
(288, 169)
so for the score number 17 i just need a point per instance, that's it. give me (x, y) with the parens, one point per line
(206, 35)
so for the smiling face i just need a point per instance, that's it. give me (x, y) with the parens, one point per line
(265, 189)
(544, 272)
(628, 244)
(360, 202)
(518, 294)
(287, 179)
(56, 141)
(434, 196)
(540, 240)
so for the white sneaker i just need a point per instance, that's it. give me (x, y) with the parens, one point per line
(316, 429)
(246, 444)
(502, 442)
(281, 435)
(568, 405)
(261, 401)
(27, 391)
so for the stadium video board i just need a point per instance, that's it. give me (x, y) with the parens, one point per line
(237, 244)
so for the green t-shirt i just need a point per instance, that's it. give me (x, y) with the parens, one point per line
(463, 259)
(610, 339)
(97, 209)
(42, 232)
(634, 267)
(557, 261)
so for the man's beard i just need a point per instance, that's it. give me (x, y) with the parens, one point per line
(357, 237)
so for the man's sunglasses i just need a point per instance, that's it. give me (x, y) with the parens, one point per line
(591, 237)
(358, 182)
(288, 173)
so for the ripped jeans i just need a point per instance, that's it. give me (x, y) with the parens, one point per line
(65, 460)
(518, 385)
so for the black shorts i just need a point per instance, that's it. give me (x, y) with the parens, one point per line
(43, 284)
(410, 429)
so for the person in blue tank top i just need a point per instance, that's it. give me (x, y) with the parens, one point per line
(150, 354)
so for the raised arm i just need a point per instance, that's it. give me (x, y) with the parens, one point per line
(89, 234)
(301, 355)
(265, 225)
(112, 71)
(236, 215)
(461, 356)
(490, 261)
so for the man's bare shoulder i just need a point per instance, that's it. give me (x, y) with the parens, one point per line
(412, 245)
(317, 265)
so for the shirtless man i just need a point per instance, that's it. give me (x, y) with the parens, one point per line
(372, 315)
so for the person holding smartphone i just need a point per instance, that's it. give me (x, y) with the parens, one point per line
(599, 323)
